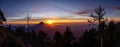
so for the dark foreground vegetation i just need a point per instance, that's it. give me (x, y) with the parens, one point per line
(90, 38)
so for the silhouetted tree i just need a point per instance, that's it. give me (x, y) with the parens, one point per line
(89, 38)
(27, 38)
(93, 42)
(33, 35)
(41, 38)
(111, 26)
(2, 18)
(11, 39)
(117, 34)
(58, 39)
(2, 35)
(68, 37)
(83, 42)
(99, 16)
(109, 39)
(20, 31)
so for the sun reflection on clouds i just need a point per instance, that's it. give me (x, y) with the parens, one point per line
(53, 21)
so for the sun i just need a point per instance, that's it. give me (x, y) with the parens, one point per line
(49, 21)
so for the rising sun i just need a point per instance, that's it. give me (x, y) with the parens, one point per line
(49, 22)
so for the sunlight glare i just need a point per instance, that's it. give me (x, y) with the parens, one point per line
(50, 22)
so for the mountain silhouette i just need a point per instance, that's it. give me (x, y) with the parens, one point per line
(43, 27)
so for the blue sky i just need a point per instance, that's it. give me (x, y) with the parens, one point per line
(18, 9)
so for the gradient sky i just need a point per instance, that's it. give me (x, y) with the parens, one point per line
(57, 9)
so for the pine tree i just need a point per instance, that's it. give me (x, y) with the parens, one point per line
(68, 37)
(99, 16)
(58, 39)
(2, 18)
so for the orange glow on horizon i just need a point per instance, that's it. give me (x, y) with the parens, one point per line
(52, 22)
(66, 21)
(47, 21)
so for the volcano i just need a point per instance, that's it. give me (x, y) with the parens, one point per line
(43, 27)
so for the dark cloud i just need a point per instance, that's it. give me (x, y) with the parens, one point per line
(117, 8)
(87, 11)
(82, 12)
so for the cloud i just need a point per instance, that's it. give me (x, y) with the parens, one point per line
(82, 12)
(87, 11)
(117, 8)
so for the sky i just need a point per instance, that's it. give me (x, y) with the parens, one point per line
(57, 9)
